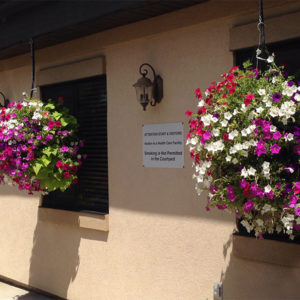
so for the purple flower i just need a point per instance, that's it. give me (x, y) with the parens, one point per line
(260, 148)
(297, 149)
(38, 137)
(297, 213)
(64, 149)
(49, 137)
(270, 195)
(249, 205)
(276, 97)
(291, 83)
(276, 135)
(207, 135)
(221, 206)
(230, 193)
(293, 201)
(275, 149)
(278, 185)
(25, 119)
(243, 183)
(65, 133)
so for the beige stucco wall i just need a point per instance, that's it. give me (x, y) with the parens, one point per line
(161, 242)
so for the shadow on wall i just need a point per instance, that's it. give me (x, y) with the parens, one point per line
(246, 279)
(55, 254)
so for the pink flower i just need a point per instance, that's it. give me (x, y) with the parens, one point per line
(188, 113)
(297, 213)
(64, 149)
(66, 175)
(19, 106)
(198, 93)
(59, 164)
(297, 188)
(276, 135)
(249, 205)
(275, 149)
(51, 124)
(231, 91)
(293, 201)
(297, 149)
(207, 135)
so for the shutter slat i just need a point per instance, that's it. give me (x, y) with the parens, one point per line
(86, 99)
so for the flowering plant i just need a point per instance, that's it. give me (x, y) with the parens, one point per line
(245, 142)
(38, 146)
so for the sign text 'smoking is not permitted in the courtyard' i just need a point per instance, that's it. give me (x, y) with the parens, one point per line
(163, 145)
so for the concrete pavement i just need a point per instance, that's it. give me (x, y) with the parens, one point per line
(9, 292)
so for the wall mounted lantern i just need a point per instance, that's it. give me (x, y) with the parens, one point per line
(146, 90)
(3, 100)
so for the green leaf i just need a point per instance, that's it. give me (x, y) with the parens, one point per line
(63, 122)
(56, 115)
(36, 167)
(45, 160)
(49, 106)
(47, 151)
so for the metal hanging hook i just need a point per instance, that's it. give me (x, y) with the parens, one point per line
(31, 42)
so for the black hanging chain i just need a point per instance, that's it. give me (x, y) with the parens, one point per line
(32, 67)
(261, 51)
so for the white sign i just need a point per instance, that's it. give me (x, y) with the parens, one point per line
(163, 145)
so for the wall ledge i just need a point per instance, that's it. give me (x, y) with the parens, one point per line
(267, 251)
(74, 218)
(277, 29)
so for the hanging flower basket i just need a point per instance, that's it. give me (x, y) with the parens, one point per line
(38, 146)
(245, 142)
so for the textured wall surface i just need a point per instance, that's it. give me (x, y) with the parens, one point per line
(161, 243)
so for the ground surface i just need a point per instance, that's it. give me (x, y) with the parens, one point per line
(9, 292)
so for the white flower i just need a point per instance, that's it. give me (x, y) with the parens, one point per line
(244, 132)
(261, 92)
(201, 103)
(252, 171)
(206, 119)
(268, 189)
(274, 111)
(274, 80)
(228, 115)
(273, 128)
(235, 112)
(244, 107)
(289, 137)
(297, 97)
(259, 110)
(235, 161)
(244, 153)
(246, 145)
(244, 172)
(260, 222)
(224, 123)
(232, 150)
(238, 147)
(233, 134)
(216, 132)
(228, 158)
(247, 225)
(270, 59)
(266, 98)
(268, 104)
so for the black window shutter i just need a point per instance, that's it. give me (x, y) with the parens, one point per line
(86, 100)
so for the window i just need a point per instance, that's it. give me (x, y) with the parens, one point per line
(285, 52)
(86, 99)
